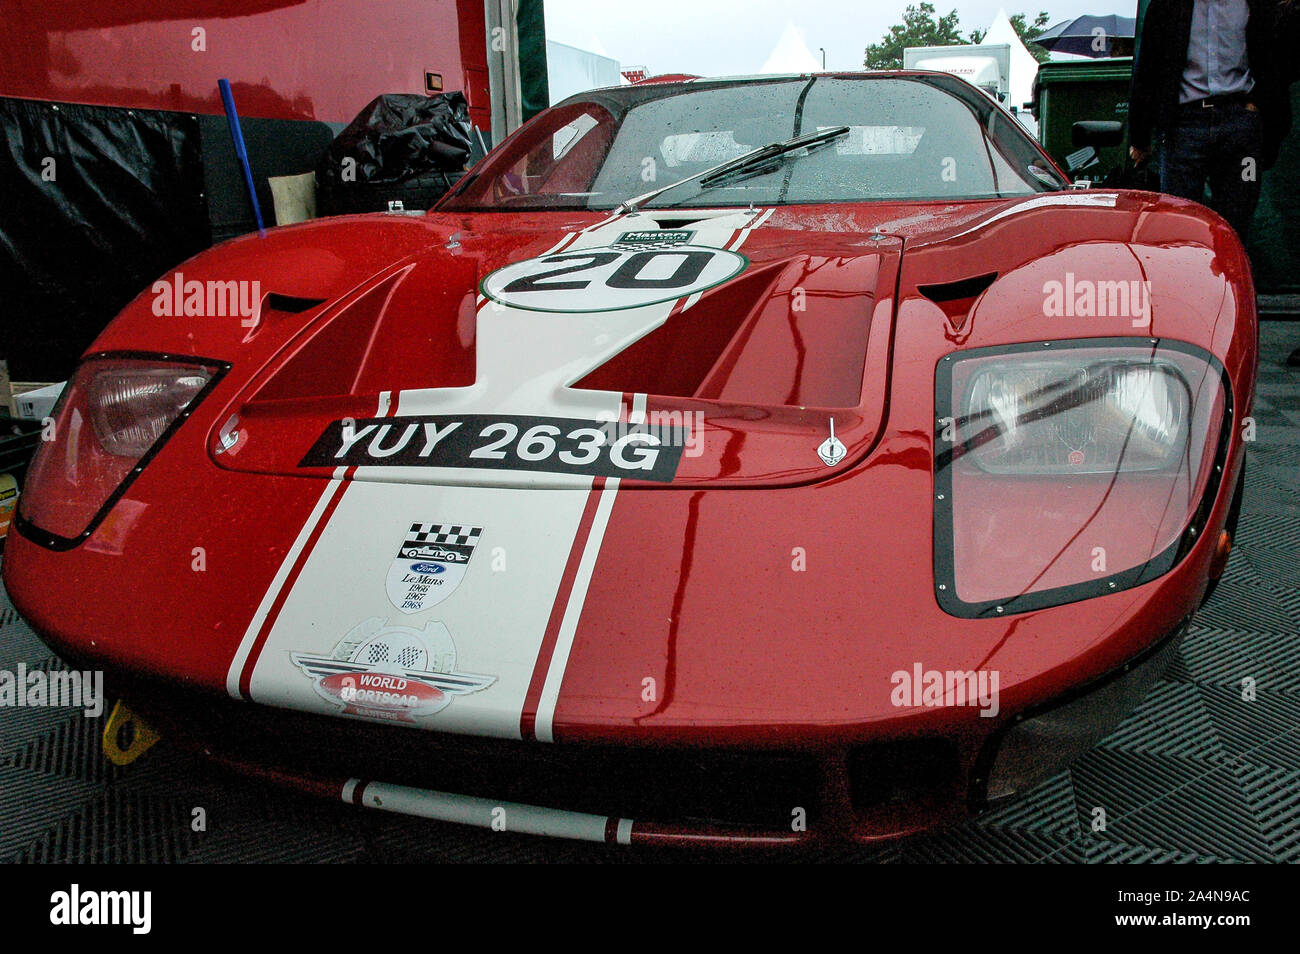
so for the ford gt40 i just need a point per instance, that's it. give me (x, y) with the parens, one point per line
(751, 461)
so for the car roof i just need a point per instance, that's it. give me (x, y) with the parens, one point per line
(652, 88)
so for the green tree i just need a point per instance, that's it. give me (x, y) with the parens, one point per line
(1027, 32)
(920, 27)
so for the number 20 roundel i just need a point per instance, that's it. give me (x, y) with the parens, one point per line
(611, 279)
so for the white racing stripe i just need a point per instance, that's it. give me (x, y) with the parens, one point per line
(498, 615)
(564, 643)
(756, 220)
(637, 414)
(332, 487)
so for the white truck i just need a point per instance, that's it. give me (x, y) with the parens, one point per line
(987, 66)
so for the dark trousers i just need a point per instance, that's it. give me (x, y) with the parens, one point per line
(1219, 146)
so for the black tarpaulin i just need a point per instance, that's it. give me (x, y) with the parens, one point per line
(95, 204)
(396, 137)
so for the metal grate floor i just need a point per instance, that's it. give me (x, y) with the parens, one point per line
(1196, 774)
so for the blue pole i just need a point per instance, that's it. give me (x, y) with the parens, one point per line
(241, 153)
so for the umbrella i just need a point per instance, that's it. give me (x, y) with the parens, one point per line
(1081, 35)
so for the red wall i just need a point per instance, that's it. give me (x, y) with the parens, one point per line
(287, 59)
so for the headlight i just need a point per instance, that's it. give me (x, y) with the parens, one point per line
(132, 407)
(113, 415)
(1079, 416)
(1070, 469)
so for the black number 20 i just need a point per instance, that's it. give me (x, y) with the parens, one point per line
(692, 263)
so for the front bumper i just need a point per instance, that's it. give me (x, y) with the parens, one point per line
(773, 797)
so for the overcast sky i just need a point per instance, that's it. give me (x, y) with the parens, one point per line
(721, 37)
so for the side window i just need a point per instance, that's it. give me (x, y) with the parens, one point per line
(568, 136)
(565, 161)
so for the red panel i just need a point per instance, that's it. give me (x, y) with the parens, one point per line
(287, 59)
(741, 641)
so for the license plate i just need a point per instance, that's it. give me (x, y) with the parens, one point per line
(492, 442)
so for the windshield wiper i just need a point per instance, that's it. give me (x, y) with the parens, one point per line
(754, 157)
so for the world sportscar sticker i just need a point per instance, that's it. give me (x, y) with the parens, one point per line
(614, 278)
(393, 673)
(502, 442)
(430, 564)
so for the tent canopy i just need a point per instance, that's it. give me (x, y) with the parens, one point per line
(1024, 68)
(791, 54)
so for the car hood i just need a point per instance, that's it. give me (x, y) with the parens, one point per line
(733, 341)
(742, 337)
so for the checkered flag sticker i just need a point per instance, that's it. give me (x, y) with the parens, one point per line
(430, 564)
(444, 542)
(440, 533)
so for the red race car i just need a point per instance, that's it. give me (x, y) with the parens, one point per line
(748, 461)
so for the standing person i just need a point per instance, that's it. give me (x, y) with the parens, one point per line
(1288, 34)
(1209, 97)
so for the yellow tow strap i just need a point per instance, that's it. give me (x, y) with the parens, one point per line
(126, 736)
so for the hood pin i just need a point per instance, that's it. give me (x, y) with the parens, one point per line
(832, 450)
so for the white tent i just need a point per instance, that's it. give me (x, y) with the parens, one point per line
(791, 54)
(1023, 65)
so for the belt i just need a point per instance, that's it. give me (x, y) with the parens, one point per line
(1216, 102)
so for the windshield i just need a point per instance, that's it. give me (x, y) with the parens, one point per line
(909, 138)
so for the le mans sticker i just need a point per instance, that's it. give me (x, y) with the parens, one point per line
(430, 564)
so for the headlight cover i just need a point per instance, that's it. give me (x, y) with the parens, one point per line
(115, 414)
(1066, 470)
